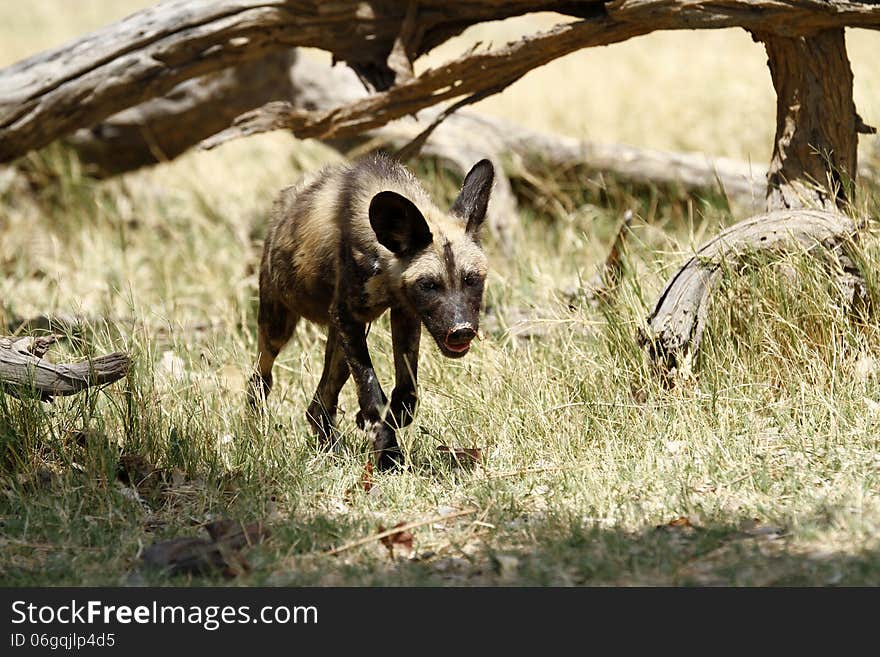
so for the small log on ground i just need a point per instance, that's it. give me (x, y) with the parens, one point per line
(25, 373)
(675, 328)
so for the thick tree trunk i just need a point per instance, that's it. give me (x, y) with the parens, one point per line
(814, 154)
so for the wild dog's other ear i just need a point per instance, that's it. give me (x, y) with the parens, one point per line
(398, 223)
(473, 199)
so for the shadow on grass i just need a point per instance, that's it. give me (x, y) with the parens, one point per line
(89, 527)
(721, 552)
(54, 544)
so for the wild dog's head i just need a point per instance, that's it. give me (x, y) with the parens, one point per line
(443, 268)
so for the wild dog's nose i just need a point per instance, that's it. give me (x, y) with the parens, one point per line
(459, 337)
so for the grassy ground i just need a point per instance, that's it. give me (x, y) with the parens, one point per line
(763, 467)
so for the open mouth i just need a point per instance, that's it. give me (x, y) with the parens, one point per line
(457, 348)
(457, 340)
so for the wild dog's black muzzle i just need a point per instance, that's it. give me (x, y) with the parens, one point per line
(459, 337)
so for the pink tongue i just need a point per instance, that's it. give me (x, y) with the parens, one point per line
(458, 348)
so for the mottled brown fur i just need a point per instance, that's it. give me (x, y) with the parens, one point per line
(347, 244)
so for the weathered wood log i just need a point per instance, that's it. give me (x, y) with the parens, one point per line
(25, 373)
(675, 327)
(535, 151)
(52, 94)
(163, 128)
(79, 84)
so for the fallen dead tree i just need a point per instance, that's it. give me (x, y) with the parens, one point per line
(81, 83)
(25, 373)
(149, 53)
(163, 128)
(144, 56)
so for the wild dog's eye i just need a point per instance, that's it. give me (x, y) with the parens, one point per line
(428, 284)
(471, 279)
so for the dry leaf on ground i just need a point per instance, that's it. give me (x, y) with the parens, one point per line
(402, 540)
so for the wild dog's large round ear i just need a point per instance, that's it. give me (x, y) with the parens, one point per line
(399, 225)
(473, 199)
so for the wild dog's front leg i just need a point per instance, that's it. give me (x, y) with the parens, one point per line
(406, 329)
(371, 399)
(322, 411)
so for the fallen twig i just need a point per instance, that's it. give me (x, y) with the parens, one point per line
(402, 528)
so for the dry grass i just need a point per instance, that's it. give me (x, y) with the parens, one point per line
(580, 477)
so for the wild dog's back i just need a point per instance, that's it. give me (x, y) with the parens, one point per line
(327, 215)
(300, 255)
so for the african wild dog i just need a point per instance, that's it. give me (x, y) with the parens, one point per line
(352, 242)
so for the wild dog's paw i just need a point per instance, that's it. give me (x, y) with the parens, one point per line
(390, 459)
(385, 447)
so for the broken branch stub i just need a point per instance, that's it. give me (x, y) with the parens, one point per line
(675, 328)
(25, 373)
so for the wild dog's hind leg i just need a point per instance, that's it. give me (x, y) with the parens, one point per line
(322, 410)
(406, 331)
(275, 327)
